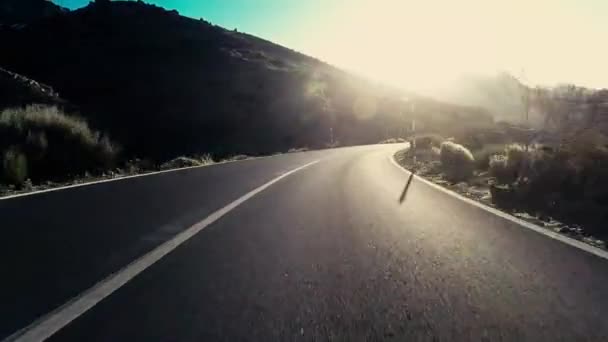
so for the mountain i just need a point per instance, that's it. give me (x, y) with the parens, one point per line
(511, 100)
(162, 85)
(26, 11)
(502, 94)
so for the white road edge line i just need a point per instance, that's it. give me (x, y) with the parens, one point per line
(49, 324)
(64, 187)
(562, 238)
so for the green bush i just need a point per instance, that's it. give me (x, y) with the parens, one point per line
(457, 162)
(54, 145)
(14, 169)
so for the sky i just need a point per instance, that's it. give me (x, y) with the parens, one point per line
(427, 44)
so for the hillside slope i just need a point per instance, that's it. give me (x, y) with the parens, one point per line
(26, 11)
(163, 85)
(17, 90)
(508, 99)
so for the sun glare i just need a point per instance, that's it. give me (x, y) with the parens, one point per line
(422, 45)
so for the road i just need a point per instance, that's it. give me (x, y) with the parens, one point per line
(325, 253)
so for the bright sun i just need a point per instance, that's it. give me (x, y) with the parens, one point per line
(423, 45)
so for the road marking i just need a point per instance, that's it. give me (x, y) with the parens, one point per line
(52, 322)
(119, 178)
(554, 235)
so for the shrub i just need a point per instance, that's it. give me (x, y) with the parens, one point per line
(204, 159)
(14, 167)
(457, 162)
(236, 157)
(568, 182)
(482, 156)
(135, 166)
(426, 154)
(499, 169)
(181, 162)
(518, 158)
(522, 165)
(427, 141)
(54, 145)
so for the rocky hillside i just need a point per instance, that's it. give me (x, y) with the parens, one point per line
(17, 90)
(164, 85)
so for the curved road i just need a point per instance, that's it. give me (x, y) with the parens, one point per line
(325, 253)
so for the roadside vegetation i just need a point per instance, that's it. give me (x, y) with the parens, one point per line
(181, 162)
(555, 175)
(299, 149)
(40, 142)
(42, 147)
(392, 141)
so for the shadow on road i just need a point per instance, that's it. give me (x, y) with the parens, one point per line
(407, 186)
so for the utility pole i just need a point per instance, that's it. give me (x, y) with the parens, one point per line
(413, 143)
(525, 96)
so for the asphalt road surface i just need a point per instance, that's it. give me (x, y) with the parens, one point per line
(324, 253)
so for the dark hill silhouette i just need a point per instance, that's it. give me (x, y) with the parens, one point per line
(25, 11)
(162, 85)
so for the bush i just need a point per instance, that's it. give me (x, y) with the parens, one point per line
(54, 145)
(203, 159)
(518, 159)
(457, 162)
(515, 163)
(498, 168)
(135, 166)
(181, 162)
(427, 141)
(236, 157)
(426, 154)
(14, 167)
(569, 183)
(482, 156)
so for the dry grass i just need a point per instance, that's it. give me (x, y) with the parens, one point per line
(181, 162)
(51, 145)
